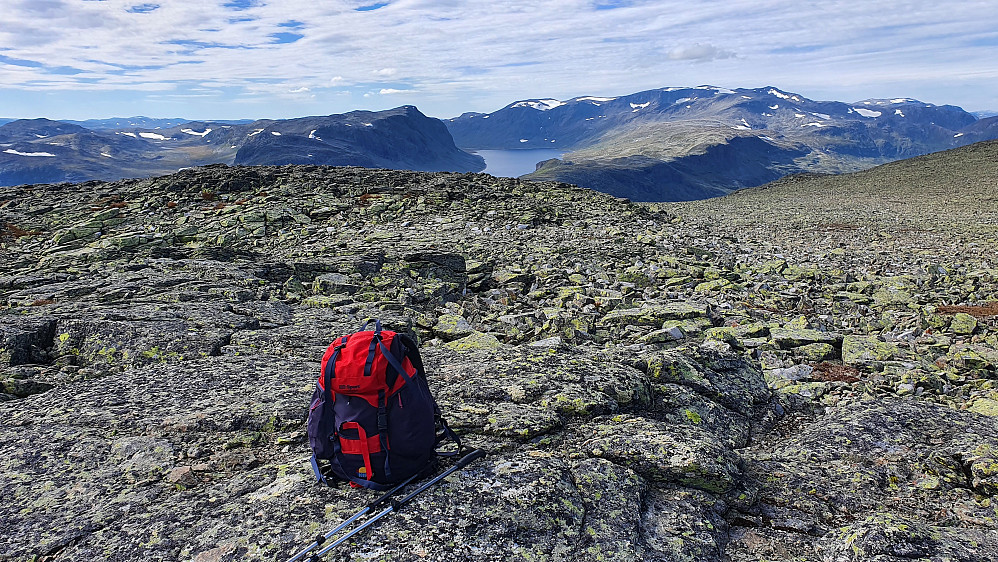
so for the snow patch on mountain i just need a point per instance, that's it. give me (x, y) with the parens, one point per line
(540, 105)
(153, 136)
(594, 98)
(867, 112)
(639, 106)
(18, 153)
(898, 112)
(195, 133)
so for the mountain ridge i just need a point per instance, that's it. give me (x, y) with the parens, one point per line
(677, 125)
(673, 143)
(46, 151)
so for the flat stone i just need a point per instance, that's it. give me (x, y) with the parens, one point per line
(864, 349)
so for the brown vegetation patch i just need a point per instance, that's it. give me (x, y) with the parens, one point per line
(171, 204)
(42, 302)
(11, 230)
(365, 199)
(112, 202)
(830, 372)
(989, 309)
(208, 195)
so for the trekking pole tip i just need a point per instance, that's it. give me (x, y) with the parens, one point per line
(470, 458)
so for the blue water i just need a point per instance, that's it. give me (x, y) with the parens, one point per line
(515, 163)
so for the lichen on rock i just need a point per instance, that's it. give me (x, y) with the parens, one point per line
(738, 384)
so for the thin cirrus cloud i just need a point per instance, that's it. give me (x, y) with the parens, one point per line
(260, 56)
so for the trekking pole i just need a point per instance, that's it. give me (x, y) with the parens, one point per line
(397, 505)
(370, 507)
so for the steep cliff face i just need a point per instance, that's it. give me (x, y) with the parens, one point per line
(796, 372)
(402, 138)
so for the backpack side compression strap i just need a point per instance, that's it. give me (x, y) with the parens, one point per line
(319, 476)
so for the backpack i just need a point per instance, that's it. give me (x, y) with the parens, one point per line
(372, 419)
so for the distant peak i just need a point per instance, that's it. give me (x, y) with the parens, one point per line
(892, 101)
(539, 104)
(776, 92)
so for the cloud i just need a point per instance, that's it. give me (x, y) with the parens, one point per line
(478, 55)
(699, 53)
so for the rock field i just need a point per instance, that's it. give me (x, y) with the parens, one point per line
(804, 371)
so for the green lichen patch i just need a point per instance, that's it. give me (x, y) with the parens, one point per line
(689, 456)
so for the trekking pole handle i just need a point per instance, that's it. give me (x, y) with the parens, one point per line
(469, 458)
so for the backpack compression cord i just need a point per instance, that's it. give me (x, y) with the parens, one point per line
(393, 507)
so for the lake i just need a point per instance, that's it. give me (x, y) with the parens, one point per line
(515, 163)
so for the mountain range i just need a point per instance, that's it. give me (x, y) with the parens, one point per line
(46, 151)
(668, 144)
(674, 144)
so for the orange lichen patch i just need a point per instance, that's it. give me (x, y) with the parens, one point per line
(989, 309)
(171, 204)
(219, 205)
(826, 371)
(11, 230)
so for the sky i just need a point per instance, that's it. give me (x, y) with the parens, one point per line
(236, 59)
